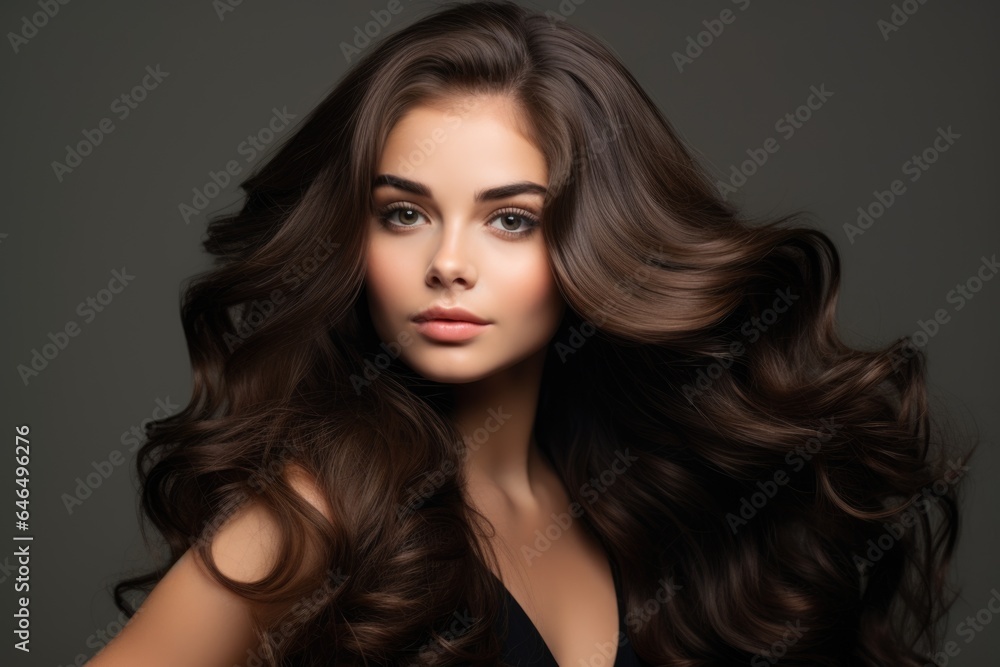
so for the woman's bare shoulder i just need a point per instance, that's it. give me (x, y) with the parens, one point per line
(304, 482)
(247, 545)
(191, 619)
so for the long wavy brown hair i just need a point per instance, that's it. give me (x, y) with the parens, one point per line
(791, 491)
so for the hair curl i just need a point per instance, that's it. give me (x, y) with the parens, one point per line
(771, 457)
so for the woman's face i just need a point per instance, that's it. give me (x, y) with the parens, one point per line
(443, 239)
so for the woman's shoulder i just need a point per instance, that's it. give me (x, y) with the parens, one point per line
(189, 618)
(247, 545)
(306, 485)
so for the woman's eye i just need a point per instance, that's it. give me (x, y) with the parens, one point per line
(514, 222)
(407, 216)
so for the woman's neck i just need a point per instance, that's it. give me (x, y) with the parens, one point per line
(496, 417)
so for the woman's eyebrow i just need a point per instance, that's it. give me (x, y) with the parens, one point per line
(489, 194)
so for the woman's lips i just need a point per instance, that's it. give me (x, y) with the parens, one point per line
(450, 330)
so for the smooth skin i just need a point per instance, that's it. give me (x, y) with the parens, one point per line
(443, 246)
(451, 251)
(190, 620)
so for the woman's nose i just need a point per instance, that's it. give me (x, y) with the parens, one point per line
(451, 260)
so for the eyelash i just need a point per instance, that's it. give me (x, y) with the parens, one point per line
(383, 218)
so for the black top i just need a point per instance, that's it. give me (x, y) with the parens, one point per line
(524, 646)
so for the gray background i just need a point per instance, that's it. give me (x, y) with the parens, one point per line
(119, 208)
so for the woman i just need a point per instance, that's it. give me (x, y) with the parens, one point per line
(488, 371)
